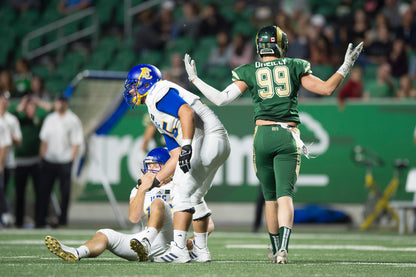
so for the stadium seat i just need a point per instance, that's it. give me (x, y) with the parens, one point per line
(151, 57)
(109, 44)
(97, 61)
(55, 85)
(41, 71)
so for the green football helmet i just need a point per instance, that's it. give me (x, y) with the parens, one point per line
(271, 40)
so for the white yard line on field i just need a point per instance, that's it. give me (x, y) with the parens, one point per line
(327, 247)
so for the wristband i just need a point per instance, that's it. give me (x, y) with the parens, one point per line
(186, 142)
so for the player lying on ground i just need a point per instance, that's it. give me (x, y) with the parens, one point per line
(147, 207)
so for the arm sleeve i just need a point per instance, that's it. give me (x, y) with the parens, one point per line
(217, 97)
(170, 103)
(170, 142)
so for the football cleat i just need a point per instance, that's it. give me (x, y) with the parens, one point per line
(174, 254)
(200, 255)
(68, 254)
(281, 257)
(141, 248)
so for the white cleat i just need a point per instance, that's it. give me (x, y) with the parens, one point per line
(68, 254)
(200, 255)
(174, 254)
(281, 256)
(141, 248)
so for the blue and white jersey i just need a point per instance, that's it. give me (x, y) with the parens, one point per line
(163, 192)
(206, 122)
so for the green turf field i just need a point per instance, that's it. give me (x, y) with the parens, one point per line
(312, 252)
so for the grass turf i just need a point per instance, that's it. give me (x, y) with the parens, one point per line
(312, 252)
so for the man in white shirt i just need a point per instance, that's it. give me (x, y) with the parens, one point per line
(5, 142)
(61, 136)
(16, 137)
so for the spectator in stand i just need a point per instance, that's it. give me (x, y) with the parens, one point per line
(22, 78)
(6, 82)
(176, 71)
(37, 89)
(353, 88)
(66, 7)
(5, 142)
(380, 48)
(360, 26)
(61, 136)
(391, 10)
(242, 51)
(220, 55)
(212, 21)
(406, 90)
(382, 86)
(189, 24)
(27, 156)
(321, 52)
(398, 59)
(151, 24)
(22, 6)
(407, 30)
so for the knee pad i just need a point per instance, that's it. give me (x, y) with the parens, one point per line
(201, 211)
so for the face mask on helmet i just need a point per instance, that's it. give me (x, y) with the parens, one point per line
(271, 40)
(155, 160)
(140, 80)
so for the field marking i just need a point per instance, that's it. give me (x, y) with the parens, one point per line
(327, 247)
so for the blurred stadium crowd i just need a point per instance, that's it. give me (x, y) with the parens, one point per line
(220, 35)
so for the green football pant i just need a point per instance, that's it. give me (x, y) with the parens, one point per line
(276, 161)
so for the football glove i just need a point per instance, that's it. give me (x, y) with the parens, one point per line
(190, 67)
(185, 158)
(350, 57)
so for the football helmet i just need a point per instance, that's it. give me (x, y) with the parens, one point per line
(271, 40)
(159, 155)
(140, 78)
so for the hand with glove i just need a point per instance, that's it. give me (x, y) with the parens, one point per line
(350, 57)
(190, 68)
(185, 158)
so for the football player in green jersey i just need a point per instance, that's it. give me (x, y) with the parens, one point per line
(273, 84)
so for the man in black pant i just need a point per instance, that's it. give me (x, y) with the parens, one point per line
(27, 156)
(61, 136)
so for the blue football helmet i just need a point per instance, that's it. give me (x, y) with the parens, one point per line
(159, 155)
(140, 78)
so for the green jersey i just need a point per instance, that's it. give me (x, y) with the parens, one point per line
(274, 87)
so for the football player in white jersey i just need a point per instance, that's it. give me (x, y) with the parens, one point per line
(149, 207)
(198, 145)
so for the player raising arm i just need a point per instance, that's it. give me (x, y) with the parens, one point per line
(273, 84)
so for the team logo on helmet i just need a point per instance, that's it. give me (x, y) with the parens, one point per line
(145, 73)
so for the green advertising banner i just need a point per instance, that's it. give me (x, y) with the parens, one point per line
(384, 127)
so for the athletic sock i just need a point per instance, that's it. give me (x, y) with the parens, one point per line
(284, 237)
(83, 251)
(150, 234)
(179, 237)
(274, 239)
(201, 239)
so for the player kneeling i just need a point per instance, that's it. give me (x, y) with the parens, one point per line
(150, 206)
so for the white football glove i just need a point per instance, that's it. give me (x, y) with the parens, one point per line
(350, 57)
(190, 68)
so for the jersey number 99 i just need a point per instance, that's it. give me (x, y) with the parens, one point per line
(273, 81)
